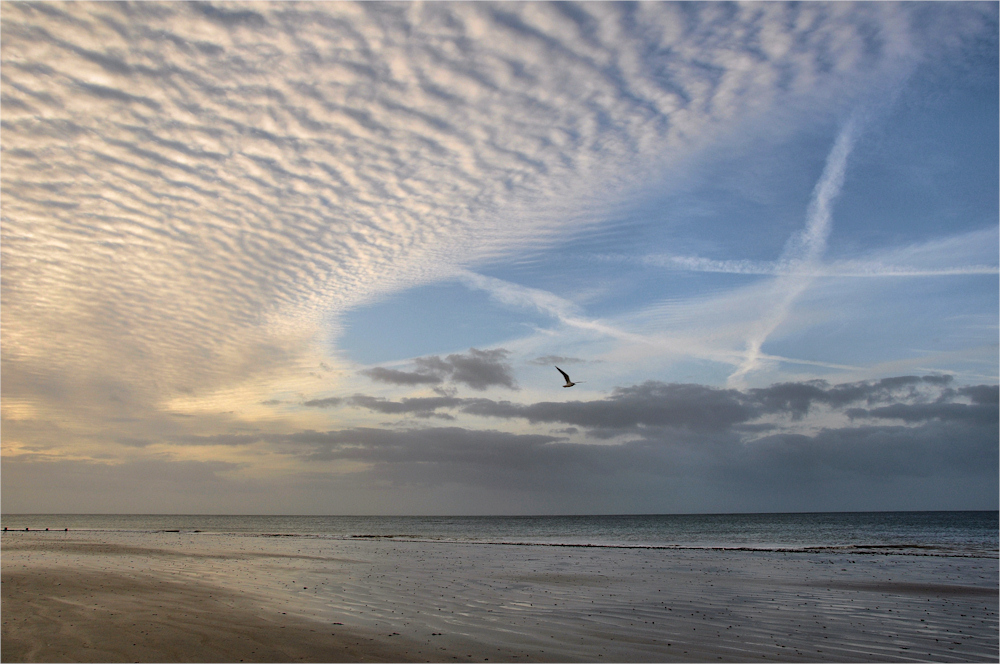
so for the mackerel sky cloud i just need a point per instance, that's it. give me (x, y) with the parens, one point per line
(319, 250)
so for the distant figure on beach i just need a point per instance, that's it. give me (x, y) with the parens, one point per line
(569, 383)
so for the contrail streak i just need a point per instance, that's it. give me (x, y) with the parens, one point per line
(547, 303)
(802, 252)
(843, 269)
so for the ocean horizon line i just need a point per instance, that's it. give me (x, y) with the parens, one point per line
(493, 516)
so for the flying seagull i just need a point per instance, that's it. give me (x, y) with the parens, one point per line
(569, 383)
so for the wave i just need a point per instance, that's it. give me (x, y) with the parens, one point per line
(962, 549)
(857, 549)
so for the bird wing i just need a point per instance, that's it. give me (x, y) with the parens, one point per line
(565, 375)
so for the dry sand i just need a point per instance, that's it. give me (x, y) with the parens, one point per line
(182, 597)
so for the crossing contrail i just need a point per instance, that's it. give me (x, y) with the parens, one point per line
(803, 251)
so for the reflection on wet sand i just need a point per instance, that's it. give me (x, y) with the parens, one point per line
(164, 597)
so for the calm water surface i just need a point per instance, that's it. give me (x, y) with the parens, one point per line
(908, 533)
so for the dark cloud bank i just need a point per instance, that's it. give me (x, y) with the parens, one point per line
(654, 406)
(906, 442)
(903, 443)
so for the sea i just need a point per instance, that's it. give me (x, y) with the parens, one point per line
(971, 534)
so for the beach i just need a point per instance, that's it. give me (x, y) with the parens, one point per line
(124, 596)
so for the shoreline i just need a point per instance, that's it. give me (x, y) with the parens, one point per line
(143, 597)
(909, 550)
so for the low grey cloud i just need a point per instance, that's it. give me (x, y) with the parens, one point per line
(981, 394)
(694, 407)
(478, 369)
(419, 406)
(705, 409)
(328, 402)
(395, 377)
(798, 398)
(979, 413)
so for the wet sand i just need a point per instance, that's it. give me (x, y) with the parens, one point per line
(184, 597)
(62, 615)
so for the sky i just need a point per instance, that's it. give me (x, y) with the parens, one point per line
(323, 258)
